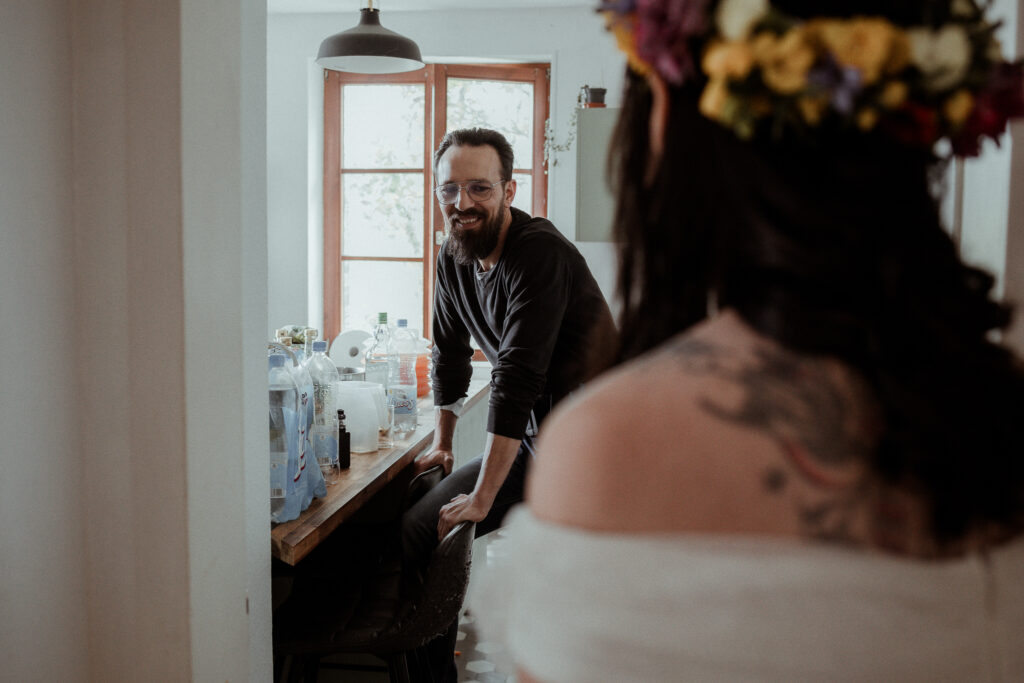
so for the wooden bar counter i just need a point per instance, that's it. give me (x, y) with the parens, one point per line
(368, 474)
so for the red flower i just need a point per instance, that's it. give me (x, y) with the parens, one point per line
(1001, 100)
(912, 124)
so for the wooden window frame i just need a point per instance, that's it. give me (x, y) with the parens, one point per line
(435, 78)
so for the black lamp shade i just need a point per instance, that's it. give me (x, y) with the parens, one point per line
(369, 48)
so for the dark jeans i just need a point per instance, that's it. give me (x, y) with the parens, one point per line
(419, 538)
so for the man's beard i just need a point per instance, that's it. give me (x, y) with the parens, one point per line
(466, 246)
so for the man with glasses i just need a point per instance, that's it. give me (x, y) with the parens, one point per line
(519, 288)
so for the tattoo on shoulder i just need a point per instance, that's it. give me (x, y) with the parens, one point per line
(803, 409)
(790, 398)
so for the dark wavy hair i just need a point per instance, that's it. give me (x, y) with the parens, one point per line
(836, 248)
(478, 137)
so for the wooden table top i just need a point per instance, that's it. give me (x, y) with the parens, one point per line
(368, 474)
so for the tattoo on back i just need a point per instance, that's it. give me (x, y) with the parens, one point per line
(803, 409)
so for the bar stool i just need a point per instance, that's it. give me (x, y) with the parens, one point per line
(374, 618)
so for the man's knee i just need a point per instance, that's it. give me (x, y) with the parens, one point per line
(419, 522)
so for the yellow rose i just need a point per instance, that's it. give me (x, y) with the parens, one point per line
(713, 99)
(763, 46)
(958, 107)
(731, 59)
(867, 118)
(784, 60)
(863, 44)
(899, 53)
(893, 94)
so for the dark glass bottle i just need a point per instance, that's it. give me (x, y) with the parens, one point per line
(344, 443)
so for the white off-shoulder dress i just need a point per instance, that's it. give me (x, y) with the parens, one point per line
(577, 606)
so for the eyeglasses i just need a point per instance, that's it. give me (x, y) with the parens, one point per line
(477, 190)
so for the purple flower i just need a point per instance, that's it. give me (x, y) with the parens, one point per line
(663, 29)
(842, 83)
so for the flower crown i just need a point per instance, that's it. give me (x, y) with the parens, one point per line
(767, 71)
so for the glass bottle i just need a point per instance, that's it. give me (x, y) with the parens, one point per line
(344, 443)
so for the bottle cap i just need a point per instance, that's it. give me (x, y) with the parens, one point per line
(382, 318)
(275, 360)
(402, 322)
(319, 345)
(311, 333)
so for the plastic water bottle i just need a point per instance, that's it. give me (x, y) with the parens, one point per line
(309, 482)
(325, 420)
(402, 392)
(376, 358)
(423, 356)
(284, 419)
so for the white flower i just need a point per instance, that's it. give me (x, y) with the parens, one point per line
(735, 17)
(963, 8)
(942, 56)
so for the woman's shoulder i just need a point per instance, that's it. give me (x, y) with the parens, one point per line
(695, 435)
(634, 438)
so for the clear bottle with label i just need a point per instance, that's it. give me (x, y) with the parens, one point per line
(324, 432)
(284, 418)
(376, 357)
(311, 482)
(402, 391)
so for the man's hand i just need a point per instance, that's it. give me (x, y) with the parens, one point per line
(440, 452)
(460, 509)
(499, 454)
(435, 456)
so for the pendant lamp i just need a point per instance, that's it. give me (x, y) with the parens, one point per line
(369, 48)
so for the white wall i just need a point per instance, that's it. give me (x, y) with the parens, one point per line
(42, 581)
(1010, 261)
(987, 181)
(133, 268)
(223, 169)
(573, 40)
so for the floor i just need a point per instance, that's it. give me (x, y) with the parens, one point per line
(477, 661)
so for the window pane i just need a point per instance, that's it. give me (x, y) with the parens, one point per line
(505, 106)
(369, 287)
(383, 214)
(524, 192)
(382, 126)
